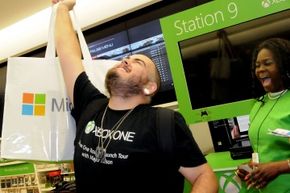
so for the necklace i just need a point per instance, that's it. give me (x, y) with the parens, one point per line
(276, 95)
(102, 147)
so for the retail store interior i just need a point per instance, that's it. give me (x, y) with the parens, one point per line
(197, 54)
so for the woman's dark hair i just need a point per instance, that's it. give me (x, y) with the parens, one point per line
(281, 53)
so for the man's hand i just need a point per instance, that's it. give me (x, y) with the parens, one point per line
(67, 44)
(68, 3)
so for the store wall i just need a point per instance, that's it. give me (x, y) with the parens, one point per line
(201, 134)
(89, 13)
(200, 131)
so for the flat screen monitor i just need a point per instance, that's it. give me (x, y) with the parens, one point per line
(148, 39)
(145, 39)
(238, 128)
(221, 75)
(229, 132)
(112, 47)
(243, 123)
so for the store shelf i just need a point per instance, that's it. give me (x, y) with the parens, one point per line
(49, 169)
(21, 183)
(51, 174)
(6, 163)
(47, 189)
(24, 177)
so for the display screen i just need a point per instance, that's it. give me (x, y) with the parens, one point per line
(243, 123)
(143, 39)
(113, 47)
(221, 60)
(226, 133)
(207, 88)
(238, 127)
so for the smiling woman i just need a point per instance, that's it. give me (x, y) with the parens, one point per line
(271, 65)
(267, 70)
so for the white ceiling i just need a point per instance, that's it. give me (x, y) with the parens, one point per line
(12, 11)
(17, 37)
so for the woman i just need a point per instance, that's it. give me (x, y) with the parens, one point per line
(270, 167)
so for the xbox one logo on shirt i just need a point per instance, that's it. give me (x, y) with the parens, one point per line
(90, 126)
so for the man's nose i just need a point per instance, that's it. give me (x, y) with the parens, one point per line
(125, 61)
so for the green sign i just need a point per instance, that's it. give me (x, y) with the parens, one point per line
(15, 169)
(200, 20)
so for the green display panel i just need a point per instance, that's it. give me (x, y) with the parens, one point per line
(15, 169)
(205, 19)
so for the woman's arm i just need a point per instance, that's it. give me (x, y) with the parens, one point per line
(266, 172)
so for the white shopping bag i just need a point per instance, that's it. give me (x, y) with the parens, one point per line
(37, 124)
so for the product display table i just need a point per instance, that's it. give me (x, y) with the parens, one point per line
(222, 161)
(224, 167)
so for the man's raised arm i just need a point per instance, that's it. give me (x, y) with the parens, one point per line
(67, 45)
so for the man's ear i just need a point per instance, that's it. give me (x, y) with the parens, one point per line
(150, 88)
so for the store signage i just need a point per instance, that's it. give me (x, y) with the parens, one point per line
(218, 14)
(15, 169)
(205, 19)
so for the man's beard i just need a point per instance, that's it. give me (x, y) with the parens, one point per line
(124, 88)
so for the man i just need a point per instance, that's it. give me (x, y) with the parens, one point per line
(116, 147)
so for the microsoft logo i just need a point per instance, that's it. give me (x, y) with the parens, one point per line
(33, 104)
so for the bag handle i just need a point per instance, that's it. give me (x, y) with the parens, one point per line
(50, 48)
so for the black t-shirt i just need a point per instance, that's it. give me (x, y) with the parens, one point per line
(134, 161)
